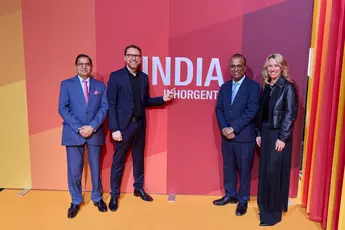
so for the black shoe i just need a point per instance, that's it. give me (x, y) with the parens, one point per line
(143, 195)
(241, 209)
(263, 224)
(102, 207)
(73, 211)
(225, 200)
(113, 204)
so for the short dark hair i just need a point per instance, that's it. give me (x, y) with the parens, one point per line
(237, 55)
(82, 56)
(132, 46)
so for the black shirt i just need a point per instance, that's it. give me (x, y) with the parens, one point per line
(136, 93)
(266, 103)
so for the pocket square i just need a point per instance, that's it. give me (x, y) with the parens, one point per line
(96, 92)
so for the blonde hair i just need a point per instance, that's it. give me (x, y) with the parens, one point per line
(282, 64)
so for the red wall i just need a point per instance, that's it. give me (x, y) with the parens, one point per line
(183, 153)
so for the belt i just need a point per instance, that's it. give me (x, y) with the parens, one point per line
(136, 118)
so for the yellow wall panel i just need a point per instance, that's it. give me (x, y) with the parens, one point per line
(12, 48)
(14, 136)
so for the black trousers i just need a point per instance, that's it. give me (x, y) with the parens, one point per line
(274, 176)
(133, 136)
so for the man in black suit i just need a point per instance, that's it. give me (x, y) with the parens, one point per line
(237, 105)
(128, 95)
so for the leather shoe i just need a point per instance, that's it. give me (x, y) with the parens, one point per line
(143, 195)
(102, 207)
(73, 211)
(263, 224)
(113, 204)
(225, 200)
(241, 209)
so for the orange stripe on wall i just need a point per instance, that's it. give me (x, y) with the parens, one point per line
(332, 211)
(316, 97)
(309, 115)
(316, 185)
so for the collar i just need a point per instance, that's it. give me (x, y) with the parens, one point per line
(280, 82)
(240, 81)
(81, 79)
(129, 72)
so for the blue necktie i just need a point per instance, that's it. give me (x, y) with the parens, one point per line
(234, 91)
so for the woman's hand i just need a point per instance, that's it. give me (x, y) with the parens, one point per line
(280, 145)
(258, 141)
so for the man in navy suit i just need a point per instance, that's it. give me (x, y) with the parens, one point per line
(83, 106)
(128, 95)
(237, 105)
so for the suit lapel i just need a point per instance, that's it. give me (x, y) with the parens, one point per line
(128, 82)
(92, 90)
(79, 90)
(142, 87)
(274, 97)
(231, 92)
(276, 91)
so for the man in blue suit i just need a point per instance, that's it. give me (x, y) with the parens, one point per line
(83, 106)
(237, 105)
(128, 96)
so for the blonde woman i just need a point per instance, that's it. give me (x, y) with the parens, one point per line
(276, 116)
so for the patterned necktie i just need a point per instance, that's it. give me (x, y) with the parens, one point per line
(234, 91)
(86, 91)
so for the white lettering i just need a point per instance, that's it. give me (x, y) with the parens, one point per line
(199, 72)
(214, 72)
(146, 65)
(219, 77)
(194, 94)
(203, 94)
(156, 63)
(183, 94)
(190, 94)
(189, 78)
(197, 94)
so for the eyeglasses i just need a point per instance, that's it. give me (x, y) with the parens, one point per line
(84, 64)
(133, 56)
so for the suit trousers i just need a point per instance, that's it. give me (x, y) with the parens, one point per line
(75, 164)
(237, 156)
(132, 137)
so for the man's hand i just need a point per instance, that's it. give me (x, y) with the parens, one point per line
(280, 145)
(86, 131)
(227, 131)
(231, 136)
(117, 136)
(170, 95)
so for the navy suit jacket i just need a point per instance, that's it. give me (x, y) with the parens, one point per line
(76, 113)
(241, 113)
(120, 98)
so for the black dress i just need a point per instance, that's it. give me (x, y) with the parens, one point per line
(274, 169)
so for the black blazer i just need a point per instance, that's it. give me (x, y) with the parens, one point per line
(283, 108)
(120, 98)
